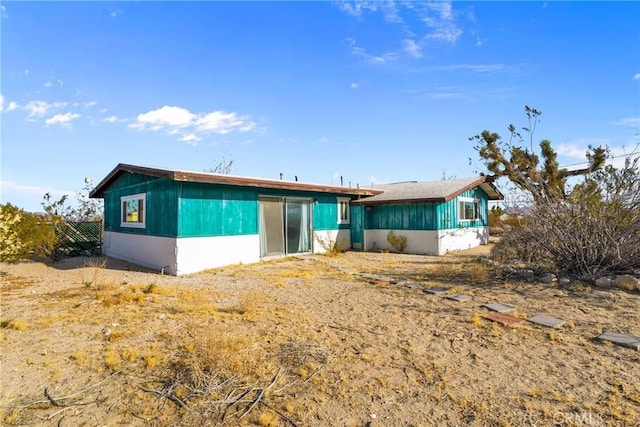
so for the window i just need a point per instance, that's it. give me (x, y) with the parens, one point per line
(343, 210)
(133, 211)
(468, 209)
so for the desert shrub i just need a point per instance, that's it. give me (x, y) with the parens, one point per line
(586, 229)
(397, 241)
(593, 231)
(495, 216)
(331, 245)
(23, 234)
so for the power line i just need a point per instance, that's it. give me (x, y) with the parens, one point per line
(633, 153)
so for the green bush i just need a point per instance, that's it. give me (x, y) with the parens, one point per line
(23, 234)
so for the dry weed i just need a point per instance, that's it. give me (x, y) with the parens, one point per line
(90, 274)
(16, 324)
(248, 303)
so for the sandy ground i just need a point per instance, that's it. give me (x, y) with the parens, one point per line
(90, 344)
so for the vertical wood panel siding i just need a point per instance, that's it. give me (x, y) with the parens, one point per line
(188, 209)
(357, 227)
(324, 206)
(402, 217)
(161, 204)
(216, 210)
(426, 216)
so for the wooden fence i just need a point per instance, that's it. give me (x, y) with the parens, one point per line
(78, 238)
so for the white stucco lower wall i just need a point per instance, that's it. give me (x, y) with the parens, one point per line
(148, 251)
(322, 238)
(201, 253)
(462, 238)
(430, 242)
(418, 241)
(182, 255)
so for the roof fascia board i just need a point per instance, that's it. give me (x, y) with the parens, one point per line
(211, 178)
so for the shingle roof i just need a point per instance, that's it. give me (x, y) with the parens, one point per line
(215, 178)
(431, 191)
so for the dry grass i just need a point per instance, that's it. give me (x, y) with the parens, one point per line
(299, 342)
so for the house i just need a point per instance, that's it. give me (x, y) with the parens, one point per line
(182, 222)
(436, 217)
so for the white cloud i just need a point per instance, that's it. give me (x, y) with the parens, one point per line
(222, 122)
(438, 16)
(572, 150)
(190, 138)
(62, 119)
(443, 25)
(112, 119)
(36, 108)
(3, 12)
(424, 21)
(49, 83)
(356, 8)
(446, 95)
(190, 126)
(373, 59)
(633, 122)
(412, 48)
(578, 151)
(40, 108)
(9, 107)
(636, 76)
(165, 117)
(16, 188)
(354, 85)
(322, 140)
(477, 68)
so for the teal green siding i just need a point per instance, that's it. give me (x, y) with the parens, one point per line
(216, 210)
(161, 204)
(188, 209)
(425, 216)
(407, 216)
(357, 227)
(325, 206)
(325, 213)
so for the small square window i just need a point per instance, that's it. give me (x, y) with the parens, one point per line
(468, 209)
(343, 210)
(133, 211)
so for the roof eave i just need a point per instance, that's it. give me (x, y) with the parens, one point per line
(183, 176)
(366, 202)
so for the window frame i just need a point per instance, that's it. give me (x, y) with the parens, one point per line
(123, 219)
(462, 203)
(344, 201)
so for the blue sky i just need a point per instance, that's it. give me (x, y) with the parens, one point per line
(371, 91)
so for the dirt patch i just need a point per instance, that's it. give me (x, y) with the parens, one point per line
(300, 342)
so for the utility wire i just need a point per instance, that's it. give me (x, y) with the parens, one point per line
(633, 153)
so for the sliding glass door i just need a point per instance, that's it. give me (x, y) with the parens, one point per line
(285, 226)
(271, 230)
